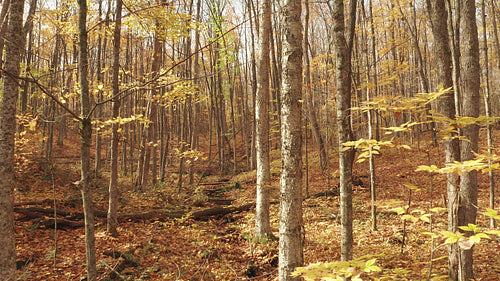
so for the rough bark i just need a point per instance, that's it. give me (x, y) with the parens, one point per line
(439, 18)
(13, 49)
(3, 28)
(291, 233)
(469, 48)
(86, 141)
(112, 222)
(262, 223)
(343, 49)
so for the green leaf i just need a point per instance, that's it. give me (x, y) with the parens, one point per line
(471, 227)
(493, 232)
(371, 266)
(426, 218)
(410, 218)
(404, 146)
(451, 237)
(431, 234)
(399, 210)
(491, 213)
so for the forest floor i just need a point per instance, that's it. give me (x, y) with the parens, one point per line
(221, 247)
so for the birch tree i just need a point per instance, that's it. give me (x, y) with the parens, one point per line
(291, 234)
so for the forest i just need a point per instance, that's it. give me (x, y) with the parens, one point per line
(249, 140)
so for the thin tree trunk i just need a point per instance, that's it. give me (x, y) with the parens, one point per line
(310, 110)
(343, 49)
(262, 222)
(369, 114)
(253, 160)
(487, 108)
(4, 19)
(86, 141)
(112, 221)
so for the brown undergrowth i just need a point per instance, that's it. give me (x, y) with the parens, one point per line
(221, 247)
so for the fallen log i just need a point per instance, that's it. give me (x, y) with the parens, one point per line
(30, 211)
(151, 215)
(44, 202)
(218, 211)
(72, 219)
(220, 201)
(61, 223)
(325, 193)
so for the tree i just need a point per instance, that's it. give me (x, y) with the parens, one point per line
(13, 49)
(469, 48)
(291, 234)
(309, 104)
(439, 17)
(262, 223)
(343, 47)
(86, 141)
(113, 180)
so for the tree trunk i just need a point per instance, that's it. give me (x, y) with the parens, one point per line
(487, 109)
(469, 47)
(439, 17)
(113, 180)
(369, 116)
(262, 223)
(343, 49)
(10, 93)
(310, 109)
(86, 141)
(291, 232)
(3, 28)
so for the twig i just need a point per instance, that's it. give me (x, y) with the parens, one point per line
(55, 214)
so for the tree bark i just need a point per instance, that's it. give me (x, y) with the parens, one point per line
(487, 109)
(439, 17)
(86, 141)
(262, 223)
(343, 49)
(13, 49)
(112, 222)
(291, 232)
(469, 47)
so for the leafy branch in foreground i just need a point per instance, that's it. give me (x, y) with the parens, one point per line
(338, 270)
(480, 163)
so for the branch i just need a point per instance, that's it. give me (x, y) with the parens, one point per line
(54, 98)
(159, 75)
